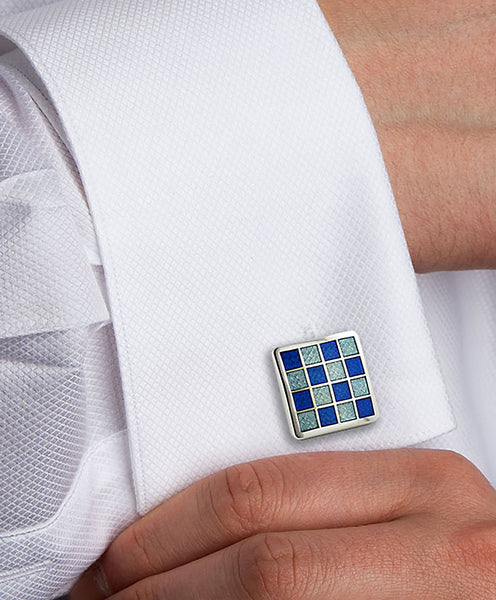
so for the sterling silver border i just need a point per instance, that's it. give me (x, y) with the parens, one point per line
(286, 394)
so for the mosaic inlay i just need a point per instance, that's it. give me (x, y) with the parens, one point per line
(325, 385)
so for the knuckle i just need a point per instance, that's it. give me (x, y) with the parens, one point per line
(449, 480)
(246, 497)
(475, 544)
(462, 482)
(268, 567)
(472, 551)
(454, 462)
(441, 464)
(143, 545)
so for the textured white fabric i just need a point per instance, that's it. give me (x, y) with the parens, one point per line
(10, 7)
(461, 312)
(274, 208)
(240, 202)
(65, 482)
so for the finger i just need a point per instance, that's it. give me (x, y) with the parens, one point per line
(305, 491)
(385, 562)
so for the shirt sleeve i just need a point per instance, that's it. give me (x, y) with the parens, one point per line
(60, 399)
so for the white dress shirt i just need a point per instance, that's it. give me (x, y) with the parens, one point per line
(62, 425)
(240, 202)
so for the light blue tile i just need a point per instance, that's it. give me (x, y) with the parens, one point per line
(360, 387)
(336, 370)
(348, 346)
(297, 380)
(308, 420)
(346, 412)
(311, 355)
(322, 395)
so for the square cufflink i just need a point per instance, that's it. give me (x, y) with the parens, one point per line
(325, 385)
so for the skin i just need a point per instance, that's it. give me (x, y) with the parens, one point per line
(383, 525)
(389, 525)
(427, 71)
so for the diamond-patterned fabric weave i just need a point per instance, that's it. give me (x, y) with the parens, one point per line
(243, 206)
(65, 482)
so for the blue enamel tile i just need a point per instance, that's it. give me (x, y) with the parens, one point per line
(322, 395)
(341, 391)
(317, 375)
(311, 355)
(327, 416)
(360, 387)
(330, 350)
(291, 359)
(348, 346)
(308, 420)
(364, 407)
(336, 370)
(297, 380)
(346, 412)
(354, 366)
(302, 400)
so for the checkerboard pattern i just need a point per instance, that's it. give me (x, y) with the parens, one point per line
(325, 385)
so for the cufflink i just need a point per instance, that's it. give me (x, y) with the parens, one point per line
(325, 385)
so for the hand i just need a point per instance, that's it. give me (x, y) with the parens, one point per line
(427, 70)
(387, 525)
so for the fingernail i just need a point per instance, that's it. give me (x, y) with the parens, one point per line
(92, 585)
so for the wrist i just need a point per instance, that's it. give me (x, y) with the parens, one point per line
(427, 80)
